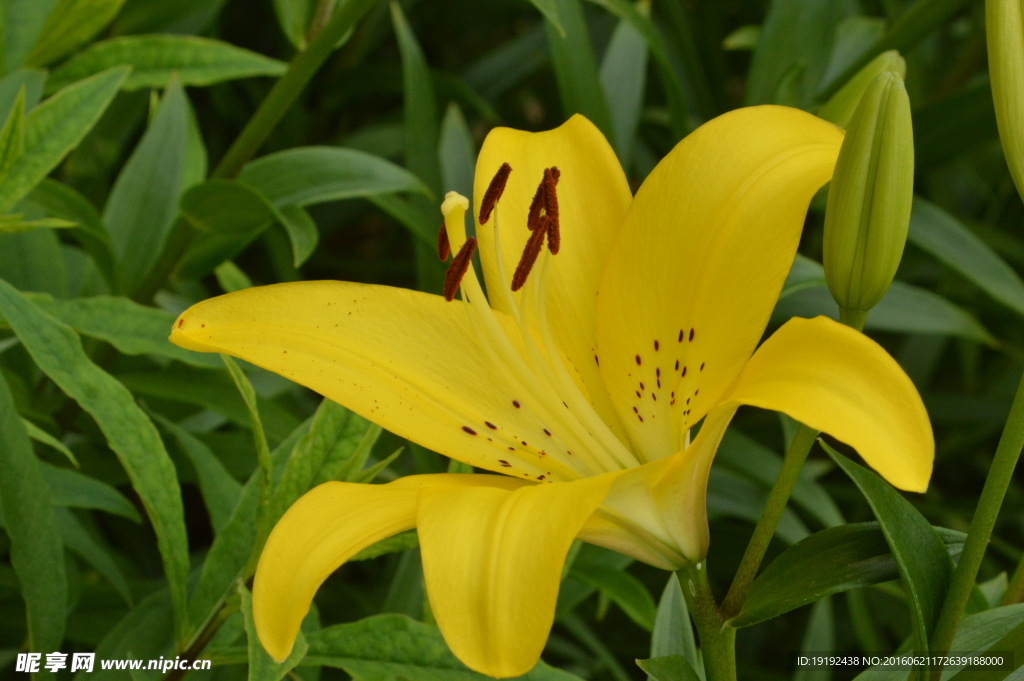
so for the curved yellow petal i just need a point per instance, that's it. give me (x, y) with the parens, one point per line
(492, 562)
(668, 497)
(841, 382)
(407, 360)
(593, 196)
(699, 263)
(323, 529)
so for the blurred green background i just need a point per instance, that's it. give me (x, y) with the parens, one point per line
(953, 321)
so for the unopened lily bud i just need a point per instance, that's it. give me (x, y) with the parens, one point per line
(870, 198)
(839, 109)
(1004, 26)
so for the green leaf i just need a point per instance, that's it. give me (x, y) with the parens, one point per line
(457, 153)
(622, 588)
(233, 552)
(302, 232)
(255, 424)
(22, 23)
(231, 278)
(78, 539)
(61, 201)
(55, 127)
(261, 666)
(549, 9)
(144, 200)
(623, 77)
(819, 635)
(31, 79)
(508, 64)
(389, 646)
(350, 452)
(854, 36)
(76, 490)
(795, 32)
(12, 134)
(71, 24)
(743, 38)
(904, 309)
(673, 633)
(1012, 642)
(40, 435)
(943, 236)
(36, 548)
(154, 58)
(403, 541)
(731, 496)
(132, 328)
(825, 563)
(412, 216)
(668, 668)
(915, 24)
(370, 474)
(213, 390)
(228, 216)
(186, 17)
(308, 175)
(975, 633)
(757, 463)
(57, 351)
(14, 224)
(920, 554)
(145, 632)
(33, 261)
(636, 16)
(219, 488)
(293, 16)
(575, 68)
(327, 432)
(420, 105)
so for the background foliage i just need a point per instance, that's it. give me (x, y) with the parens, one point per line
(129, 468)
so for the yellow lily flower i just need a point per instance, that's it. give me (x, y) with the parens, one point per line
(581, 386)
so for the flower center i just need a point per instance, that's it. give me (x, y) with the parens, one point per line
(521, 346)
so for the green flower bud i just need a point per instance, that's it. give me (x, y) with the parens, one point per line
(1004, 26)
(839, 109)
(870, 197)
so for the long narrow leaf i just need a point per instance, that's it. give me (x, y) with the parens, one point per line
(37, 551)
(58, 352)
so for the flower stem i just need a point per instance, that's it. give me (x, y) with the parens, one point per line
(999, 474)
(717, 639)
(766, 524)
(270, 112)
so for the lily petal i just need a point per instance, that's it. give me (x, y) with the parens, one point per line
(699, 264)
(841, 382)
(323, 529)
(593, 196)
(492, 562)
(406, 360)
(668, 497)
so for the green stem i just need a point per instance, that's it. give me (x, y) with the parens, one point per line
(999, 474)
(853, 318)
(769, 520)
(717, 639)
(287, 89)
(270, 112)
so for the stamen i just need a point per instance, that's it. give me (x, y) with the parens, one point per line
(494, 192)
(533, 247)
(535, 206)
(444, 249)
(551, 176)
(457, 270)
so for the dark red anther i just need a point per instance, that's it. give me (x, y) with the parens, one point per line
(494, 191)
(535, 206)
(444, 249)
(533, 247)
(457, 270)
(551, 176)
